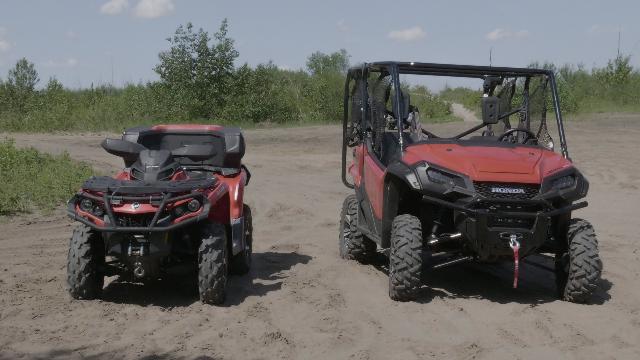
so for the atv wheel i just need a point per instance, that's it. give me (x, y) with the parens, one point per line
(578, 270)
(405, 258)
(212, 264)
(241, 263)
(353, 245)
(84, 264)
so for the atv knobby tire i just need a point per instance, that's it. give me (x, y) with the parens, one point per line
(578, 270)
(405, 258)
(241, 262)
(85, 264)
(212, 264)
(353, 245)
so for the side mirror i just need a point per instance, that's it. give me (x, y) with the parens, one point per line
(195, 152)
(127, 150)
(490, 110)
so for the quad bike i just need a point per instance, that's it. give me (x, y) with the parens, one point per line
(176, 209)
(495, 192)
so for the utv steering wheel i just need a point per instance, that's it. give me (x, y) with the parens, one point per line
(530, 135)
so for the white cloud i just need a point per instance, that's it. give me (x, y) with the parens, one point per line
(604, 29)
(410, 34)
(342, 26)
(499, 34)
(150, 9)
(67, 63)
(114, 7)
(5, 45)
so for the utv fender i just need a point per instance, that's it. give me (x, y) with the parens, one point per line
(396, 183)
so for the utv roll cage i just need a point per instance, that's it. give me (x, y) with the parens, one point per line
(395, 69)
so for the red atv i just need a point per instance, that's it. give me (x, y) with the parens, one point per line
(176, 208)
(495, 192)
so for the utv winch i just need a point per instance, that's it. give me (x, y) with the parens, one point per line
(497, 191)
(176, 209)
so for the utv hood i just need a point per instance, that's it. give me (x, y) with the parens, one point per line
(499, 163)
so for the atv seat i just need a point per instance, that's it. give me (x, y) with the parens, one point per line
(391, 146)
(228, 143)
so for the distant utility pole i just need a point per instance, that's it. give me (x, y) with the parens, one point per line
(112, 70)
(619, 38)
(491, 56)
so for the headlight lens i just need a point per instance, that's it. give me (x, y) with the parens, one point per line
(86, 205)
(441, 177)
(564, 182)
(193, 205)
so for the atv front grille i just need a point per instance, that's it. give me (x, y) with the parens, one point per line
(508, 191)
(134, 221)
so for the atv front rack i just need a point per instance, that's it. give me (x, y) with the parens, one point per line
(162, 194)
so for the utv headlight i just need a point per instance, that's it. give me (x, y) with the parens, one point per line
(441, 177)
(564, 182)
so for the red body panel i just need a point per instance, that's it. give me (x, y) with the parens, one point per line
(373, 174)
(518, 164)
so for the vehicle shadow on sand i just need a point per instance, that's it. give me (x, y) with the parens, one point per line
(267, 273)
(493, 282)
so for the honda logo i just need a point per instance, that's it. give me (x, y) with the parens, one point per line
(507, 190)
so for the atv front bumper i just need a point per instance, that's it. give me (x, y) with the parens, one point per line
(489, 226)
(159, 222)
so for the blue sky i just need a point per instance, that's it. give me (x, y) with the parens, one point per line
(78, 40)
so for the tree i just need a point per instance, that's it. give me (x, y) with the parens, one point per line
(196, 75)
(320, 63)
(21, 83)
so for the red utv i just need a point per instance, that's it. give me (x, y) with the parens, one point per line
(497, 191)
(176, 208)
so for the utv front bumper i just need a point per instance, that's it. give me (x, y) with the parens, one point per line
(488, 226)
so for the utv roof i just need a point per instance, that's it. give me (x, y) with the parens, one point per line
(419, 68)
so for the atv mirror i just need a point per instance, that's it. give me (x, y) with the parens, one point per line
(490, 110)
(195, 152)
(127, 150)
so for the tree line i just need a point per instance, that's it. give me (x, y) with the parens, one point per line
(199, 82)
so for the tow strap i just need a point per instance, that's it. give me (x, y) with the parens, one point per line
(515, 246)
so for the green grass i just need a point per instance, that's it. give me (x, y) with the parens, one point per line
(31, 180)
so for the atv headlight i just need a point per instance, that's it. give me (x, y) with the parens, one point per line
(564, 182)
(86, 205)
(193, 205)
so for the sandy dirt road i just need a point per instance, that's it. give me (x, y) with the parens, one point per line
(301, 301)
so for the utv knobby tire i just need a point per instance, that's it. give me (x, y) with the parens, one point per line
(241, 262)
(405, 258)
(212, 264)
(353, 245)
(84, 264)
(578, 270)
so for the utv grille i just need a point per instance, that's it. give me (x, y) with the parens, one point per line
(509, 221)
(510, 191)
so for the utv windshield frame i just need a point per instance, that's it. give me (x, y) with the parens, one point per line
(395, 69)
